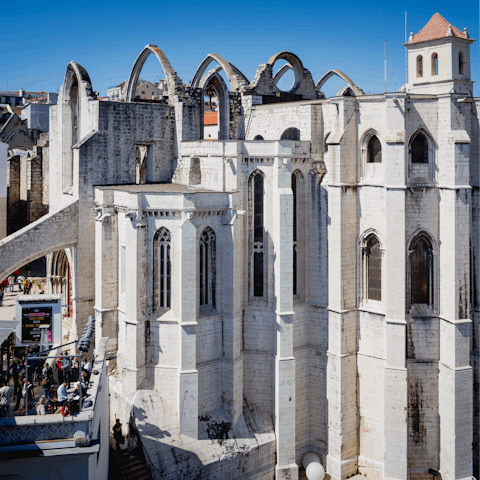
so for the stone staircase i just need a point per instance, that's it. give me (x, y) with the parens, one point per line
(132, 465)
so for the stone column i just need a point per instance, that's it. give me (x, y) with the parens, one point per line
(187, 298)
(396, 386)
(286, 467)
(106, 271)
(134, 371)
(342, 458)
(455, 389)
(230, 256)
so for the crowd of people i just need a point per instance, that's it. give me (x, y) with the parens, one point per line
(8, 285)
(55, 393)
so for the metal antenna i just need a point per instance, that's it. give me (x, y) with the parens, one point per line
(406, 59)
(385, 62)
(394, 79)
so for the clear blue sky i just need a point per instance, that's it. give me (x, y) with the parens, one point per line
(105, 38)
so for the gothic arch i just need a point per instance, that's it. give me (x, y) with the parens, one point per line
(355, 90)
(173, 81)
(281, 72)
(238, 81)
(76, 75)
(432, 147)
(213, 78)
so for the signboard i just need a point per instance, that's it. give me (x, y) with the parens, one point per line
(33, 319)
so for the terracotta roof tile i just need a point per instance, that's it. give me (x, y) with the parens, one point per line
(436, 28)
(210, 118)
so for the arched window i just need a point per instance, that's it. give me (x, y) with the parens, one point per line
(258, 138)
(419, 66)
(207, 276)
(291, 133)
(162, 269)
(419, 149)
(256, 197)
(374, 150)
(434, 64)
(422, 270)
(374, 269)
(460, 63)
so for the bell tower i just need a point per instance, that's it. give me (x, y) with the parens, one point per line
(439, 59)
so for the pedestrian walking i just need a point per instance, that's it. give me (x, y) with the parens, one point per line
(67, 369)
(4, 399)
(11, 283)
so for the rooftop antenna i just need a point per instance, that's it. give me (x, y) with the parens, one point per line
(406, 59)
(394, 79)
(385, 62)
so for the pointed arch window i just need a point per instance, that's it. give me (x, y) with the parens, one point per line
(256, 197)
(419, 66)
(162, 269)
(422, 271)
(419, 149)
(374, 150)
(434, 64)
(207, 275)
(374, 269)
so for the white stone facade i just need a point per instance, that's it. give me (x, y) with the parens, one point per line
(254, 319)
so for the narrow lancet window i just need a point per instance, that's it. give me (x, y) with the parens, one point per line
(257, 196)
(419, 149)
(460, 63)
(294, 191)
(422, 271)
(207, 267)
(163, 268)
(374, 269)
(374, 150)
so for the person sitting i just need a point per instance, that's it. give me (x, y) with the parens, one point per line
(41, 406)
(62, 394)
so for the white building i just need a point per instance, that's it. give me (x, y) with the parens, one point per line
(306, 283)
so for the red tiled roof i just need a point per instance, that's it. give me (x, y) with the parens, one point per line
(210, 118)
(436, 28)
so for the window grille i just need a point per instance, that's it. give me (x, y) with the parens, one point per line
(374, 151)
(257, 194)
(374, 269)
(419, 149)
(422, 271)
(207, 267)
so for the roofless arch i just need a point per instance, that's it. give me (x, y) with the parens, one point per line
(355, 90)
(294, 63)
(76, 76)
(173, 81)
(238, 81)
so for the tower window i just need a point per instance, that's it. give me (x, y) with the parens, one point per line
(434, 64)
(419, 66)
(422, 271)
(419, 149)
(374, 150)
(460, 63)
(207, 267)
